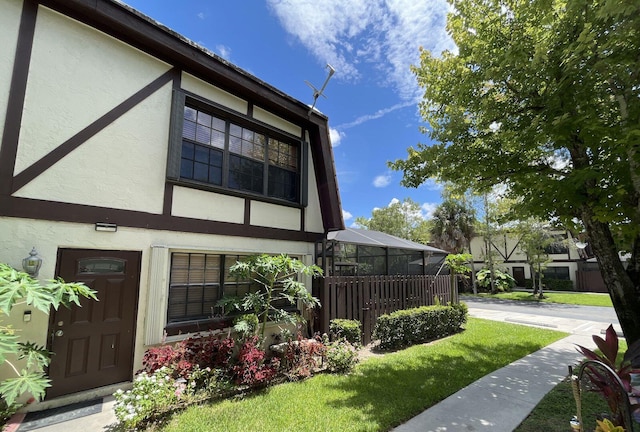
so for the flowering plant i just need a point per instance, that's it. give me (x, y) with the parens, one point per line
(151, 394)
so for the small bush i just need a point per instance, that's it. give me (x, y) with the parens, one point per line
(558, 284)
(252, 368)
(341, 356)
(302, 357)
(350, 330)
(151, 395)
(504, 282)
(204, 351)
(412, 326)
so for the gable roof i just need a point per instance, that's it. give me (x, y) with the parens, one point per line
(376, 238)
(136, 29)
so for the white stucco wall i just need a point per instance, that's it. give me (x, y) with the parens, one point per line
(123, 166)
(194, 203)
(274, 216)
(9, 23)
(275, 121)
(213, 93)
(76, 75)
(313, 215)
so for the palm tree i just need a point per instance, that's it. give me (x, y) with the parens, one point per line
(453, 228)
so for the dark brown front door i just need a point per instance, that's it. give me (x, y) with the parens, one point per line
(518, 275)
(93, 344)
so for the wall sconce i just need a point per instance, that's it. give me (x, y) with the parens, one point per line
(31, 264)
(107, 227)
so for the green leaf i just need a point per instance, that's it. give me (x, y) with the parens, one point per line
(40, 298)
(8, 344)
(32, 382)
(36, 355)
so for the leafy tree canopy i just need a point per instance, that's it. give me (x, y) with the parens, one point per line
(402, 219)
(543, 99)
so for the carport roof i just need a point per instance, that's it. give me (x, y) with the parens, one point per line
(376, 238)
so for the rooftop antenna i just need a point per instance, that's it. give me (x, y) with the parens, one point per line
(317, 92)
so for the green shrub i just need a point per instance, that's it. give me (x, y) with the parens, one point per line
(504, 282)
(558, 284)
(341, 356)
(412, 326)
(528, 284)
(350, 330)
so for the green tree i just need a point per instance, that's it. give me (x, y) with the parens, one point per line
(543, 99)
(17, 288)
(534, 238)
(277, 277)
(453, 226)
(400, 218)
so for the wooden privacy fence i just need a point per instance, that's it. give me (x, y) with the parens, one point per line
(365, 298)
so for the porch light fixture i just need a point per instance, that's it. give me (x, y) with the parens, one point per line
(31, 264)
(107, 227)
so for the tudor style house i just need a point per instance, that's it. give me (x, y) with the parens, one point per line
(145, 166)
(566, 260)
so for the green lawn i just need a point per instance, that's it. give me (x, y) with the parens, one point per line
(555, 410)
(584, 299)
(382, 393)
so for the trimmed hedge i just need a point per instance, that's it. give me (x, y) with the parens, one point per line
(351, 330)
(413, 326)
(558, 285)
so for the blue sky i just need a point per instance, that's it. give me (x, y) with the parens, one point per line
(371, 101)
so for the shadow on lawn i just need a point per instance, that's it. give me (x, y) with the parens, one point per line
(390, 390)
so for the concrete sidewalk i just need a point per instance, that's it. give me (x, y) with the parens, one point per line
(500, 401)
(497, 402)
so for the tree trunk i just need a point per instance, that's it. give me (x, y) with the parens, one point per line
(624, 291)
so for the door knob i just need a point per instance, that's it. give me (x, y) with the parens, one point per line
(59, 333)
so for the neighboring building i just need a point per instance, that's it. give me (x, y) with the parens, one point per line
(144, 165)
(565, 257)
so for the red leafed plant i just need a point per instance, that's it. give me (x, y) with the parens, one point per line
(301, 357)
(252, 368)
(204, 351)
(609, 348)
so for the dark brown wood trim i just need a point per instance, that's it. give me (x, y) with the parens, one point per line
(17, 89)
(81, 137)
(326, 178)
(167, 202)
(69, 212)
(247, 211)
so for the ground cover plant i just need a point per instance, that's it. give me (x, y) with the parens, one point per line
(380, 393)
(583, 299)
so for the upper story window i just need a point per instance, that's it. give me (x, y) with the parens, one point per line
(220, 151)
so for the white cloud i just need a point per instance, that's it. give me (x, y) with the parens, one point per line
(382, 180)
(385, 34)
(336, 136)
(432, 184)
(224, 51)
(376, 115)
(201, 15)
(346, 215)
(428, 209)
